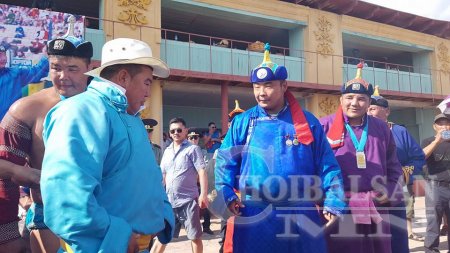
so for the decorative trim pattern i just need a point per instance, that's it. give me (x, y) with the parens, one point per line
(324, 36)
(443, 57)
(328, 105)
(132, 14)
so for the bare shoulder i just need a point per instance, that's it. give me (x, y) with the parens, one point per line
(28, 109)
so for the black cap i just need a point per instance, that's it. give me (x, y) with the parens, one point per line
(70, 46)
(441, 116)
(149, 124)
(380, 101)
(193, 133)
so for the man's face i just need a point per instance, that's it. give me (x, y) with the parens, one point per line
(355, 105)
(178, 132)
(193, 139)
(212, 128)
(138, 89)
(67, 75)
(3, 60)
(270, 95)
(378, 112)
(441, 124)
(149, 134)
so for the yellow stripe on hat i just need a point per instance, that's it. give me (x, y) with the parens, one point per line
(376, 93)
(267, 62)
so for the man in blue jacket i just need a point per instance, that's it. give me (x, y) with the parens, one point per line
(412, 159)
(13, 79)
(278, 157)
(101, 189)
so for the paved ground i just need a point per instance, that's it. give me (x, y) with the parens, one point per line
(210, 243)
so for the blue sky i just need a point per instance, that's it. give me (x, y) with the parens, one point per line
(435, 9)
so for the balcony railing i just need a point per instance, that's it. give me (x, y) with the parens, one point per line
(392, 78)
(219, 60)
(205, 54)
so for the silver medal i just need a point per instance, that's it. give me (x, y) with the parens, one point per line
(289, 142)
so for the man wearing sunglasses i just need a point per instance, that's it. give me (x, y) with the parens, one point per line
(212, 140)
(193, 138)
(182, 163)
(149, 124)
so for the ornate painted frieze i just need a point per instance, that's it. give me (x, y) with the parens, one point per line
(323, 36)
(328, 105)
(132, 12)
(443, 57)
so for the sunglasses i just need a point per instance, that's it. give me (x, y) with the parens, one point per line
(149, 130)
(193, 138)
(213, 127)
(178, 130)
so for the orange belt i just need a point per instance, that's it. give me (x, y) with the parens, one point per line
(142, 240)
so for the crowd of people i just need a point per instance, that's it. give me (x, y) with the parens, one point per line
(280, 179)
(25, 31)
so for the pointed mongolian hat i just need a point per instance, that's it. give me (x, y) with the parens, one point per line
(237, 110)
(268, 71)
(70, 45)
(377, 99)
(357, 84)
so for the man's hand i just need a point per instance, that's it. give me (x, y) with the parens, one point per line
(331, 219)
(235, 207)
(203, 200)
(438, 138)
(381, 199)
(133, 246)
(26, 176)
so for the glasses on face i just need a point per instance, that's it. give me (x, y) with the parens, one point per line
(213, 127)
(178, 130)
(193, 138)
(149, 130)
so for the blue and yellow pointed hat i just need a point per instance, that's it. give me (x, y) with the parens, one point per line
(268, 71)
(377, 99)
(358, 84)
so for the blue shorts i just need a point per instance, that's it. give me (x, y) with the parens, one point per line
(35, 217)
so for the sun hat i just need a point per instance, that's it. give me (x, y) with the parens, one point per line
(130, 51)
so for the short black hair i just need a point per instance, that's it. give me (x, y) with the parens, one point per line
(177, 120)
(211, 123)
(85, 60)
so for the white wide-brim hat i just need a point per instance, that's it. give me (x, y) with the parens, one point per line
(130, 51)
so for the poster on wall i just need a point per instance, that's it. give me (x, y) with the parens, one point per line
(24, 32)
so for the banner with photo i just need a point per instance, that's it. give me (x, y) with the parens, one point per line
(24, 32)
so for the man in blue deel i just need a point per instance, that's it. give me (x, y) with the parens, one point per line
(278, 157)
(411, 157)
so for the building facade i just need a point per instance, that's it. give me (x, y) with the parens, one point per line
(211, 46)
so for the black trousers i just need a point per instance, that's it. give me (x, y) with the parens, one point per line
(437, 203)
